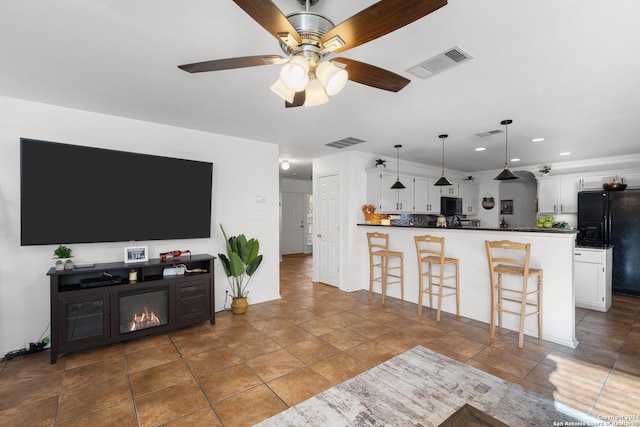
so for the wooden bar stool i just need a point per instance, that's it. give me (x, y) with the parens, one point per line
(512, 259)
(380, 257)
(430, 250)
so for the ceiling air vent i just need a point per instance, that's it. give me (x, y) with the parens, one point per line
(490, 132)
(439, 63)
(345, 142)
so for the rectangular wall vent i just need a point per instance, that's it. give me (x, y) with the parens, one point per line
(490, 132)
(439, 63)
(345, 142)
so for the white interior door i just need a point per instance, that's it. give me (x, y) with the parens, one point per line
(293, 223)
(328, 230)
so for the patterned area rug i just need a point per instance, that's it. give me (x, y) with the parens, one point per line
(423, 388)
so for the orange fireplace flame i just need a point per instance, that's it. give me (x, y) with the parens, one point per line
(146, 319)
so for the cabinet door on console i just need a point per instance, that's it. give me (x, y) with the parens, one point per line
(84, 318)
(192, 301)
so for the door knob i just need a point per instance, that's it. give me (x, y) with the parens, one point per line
(319, 235)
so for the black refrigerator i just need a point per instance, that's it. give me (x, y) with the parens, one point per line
(612, 218)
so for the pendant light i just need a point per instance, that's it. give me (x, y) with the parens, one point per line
(506, 173)
(443, 179)
(397, 185)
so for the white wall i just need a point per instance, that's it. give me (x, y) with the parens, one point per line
(24, 286)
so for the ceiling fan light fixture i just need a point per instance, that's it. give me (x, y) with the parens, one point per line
(332, 77)
(282, 91)
(315, 94)
(295, 74)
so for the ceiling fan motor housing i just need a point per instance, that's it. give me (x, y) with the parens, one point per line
(311, 27)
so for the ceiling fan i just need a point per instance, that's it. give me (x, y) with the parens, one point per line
(308, 77)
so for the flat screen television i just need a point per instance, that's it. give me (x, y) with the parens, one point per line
(76, 194)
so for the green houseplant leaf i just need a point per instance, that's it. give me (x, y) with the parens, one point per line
(240, 262)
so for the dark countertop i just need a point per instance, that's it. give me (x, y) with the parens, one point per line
(520, 229)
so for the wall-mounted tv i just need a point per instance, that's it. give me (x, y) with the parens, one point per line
(76, 194)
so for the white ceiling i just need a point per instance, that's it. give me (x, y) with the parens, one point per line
(568, 71)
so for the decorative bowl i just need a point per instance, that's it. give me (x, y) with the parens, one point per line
(614, 186)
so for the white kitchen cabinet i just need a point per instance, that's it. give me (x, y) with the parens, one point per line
(592, 278)
(450, 191)
(595, 182)
(631, 179)
(426, 196)
(470, 194)
(558, 195)
(384, 198)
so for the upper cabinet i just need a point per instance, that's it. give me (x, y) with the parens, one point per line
(558, 195)
(384, 198)
(631, 179)
(420, 196)
(595, 182)
(470, 194)
(426, 196)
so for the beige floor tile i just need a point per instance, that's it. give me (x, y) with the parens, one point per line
(274, 364)
(190, 345)
(17, 394)
(372, 353)
(158, 377)
(32, 413)
(121, 415)
(250, 407)
(226, 382)
(201, 418)
(312, 350)
(343, 338)
(93, 397)
(299, 385)
(339, 368)
(153, 356)
(169, 403)
(211, 360)
(254, 347)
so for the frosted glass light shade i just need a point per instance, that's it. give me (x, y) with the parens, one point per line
(282, 91)
(315, 94)
(333, 78)
(295, 74)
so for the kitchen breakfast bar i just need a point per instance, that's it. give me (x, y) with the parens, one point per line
(551, 250)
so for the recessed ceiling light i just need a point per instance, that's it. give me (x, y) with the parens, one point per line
(537, 140)
(514, 160)
(566, 153)
(480, 149)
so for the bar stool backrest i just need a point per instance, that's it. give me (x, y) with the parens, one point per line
(429, 245)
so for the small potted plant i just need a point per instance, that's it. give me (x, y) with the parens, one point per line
(62, 254)
(240, 262)
(380, 163)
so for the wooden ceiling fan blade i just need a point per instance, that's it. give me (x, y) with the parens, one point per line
(379, 19)
(231, 63)
(267, 14)
(373, 76)
(298, 100)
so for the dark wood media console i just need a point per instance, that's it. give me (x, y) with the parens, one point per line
(99, 305)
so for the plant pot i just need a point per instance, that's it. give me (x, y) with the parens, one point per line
(68, 264)
(239, 305)
(59, 265)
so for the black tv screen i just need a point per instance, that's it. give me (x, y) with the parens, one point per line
(76, 194)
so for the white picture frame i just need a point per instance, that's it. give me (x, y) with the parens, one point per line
(136, 254)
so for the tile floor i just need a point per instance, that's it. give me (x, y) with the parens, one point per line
(247, 368)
